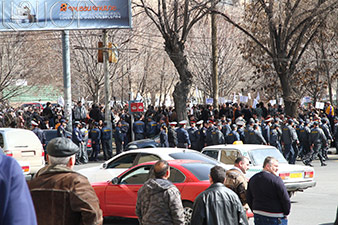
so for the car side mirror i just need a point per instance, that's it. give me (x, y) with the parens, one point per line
(104, 166)
(115, 180)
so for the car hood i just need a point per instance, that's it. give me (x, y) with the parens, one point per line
(142, 141)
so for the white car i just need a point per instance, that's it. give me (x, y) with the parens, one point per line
(24, 146)
(295, 177)
(120, 163)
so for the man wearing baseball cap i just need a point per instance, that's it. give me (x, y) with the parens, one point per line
(60, 194)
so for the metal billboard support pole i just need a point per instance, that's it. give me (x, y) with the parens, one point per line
(67, 78)
(106, 79)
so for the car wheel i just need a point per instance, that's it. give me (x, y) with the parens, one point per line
(187, 212)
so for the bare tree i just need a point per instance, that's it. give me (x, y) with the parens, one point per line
(283, 30)
(174, 19)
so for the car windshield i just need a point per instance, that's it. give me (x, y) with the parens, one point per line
(193, 156)
(200, 170)
(258, 155)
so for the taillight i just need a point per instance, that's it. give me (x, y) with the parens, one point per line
(284, 176)
(89, 144)
(43, 154)
(308, 174)
(25, 168)
(8, 153)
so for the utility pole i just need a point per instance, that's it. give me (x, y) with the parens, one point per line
(214, 56)
(106, 79)
(67, 78)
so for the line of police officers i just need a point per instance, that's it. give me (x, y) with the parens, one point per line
(305, 139)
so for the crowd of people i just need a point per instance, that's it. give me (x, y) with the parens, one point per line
(306, 136)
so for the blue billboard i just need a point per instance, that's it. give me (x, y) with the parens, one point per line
(29, 15)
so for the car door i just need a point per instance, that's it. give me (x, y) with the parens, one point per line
(121, 198)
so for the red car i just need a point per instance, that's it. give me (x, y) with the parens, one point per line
(118, 197)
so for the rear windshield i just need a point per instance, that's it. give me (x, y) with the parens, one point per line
(200, 170)
(193, 156)
(21, 139)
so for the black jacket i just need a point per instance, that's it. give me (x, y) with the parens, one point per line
(218, 205)
(266, 192)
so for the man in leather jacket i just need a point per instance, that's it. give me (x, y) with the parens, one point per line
(60, 195)
(218, 204)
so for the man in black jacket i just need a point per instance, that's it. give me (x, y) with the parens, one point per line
(218, 204)
(267, 196)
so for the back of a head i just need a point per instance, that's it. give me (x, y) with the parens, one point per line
(268, 160)
(217, 174)
(160, 168)
(239, 159)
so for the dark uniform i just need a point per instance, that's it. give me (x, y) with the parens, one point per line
(183, 140)
(151, 129)
(118, 135)
(139, 129)
(125, 130)
(192, 131)
(317, 139)
(327, 132)
(304, 133)
(274, 138)
(164, 139)
(202, 133)
(253, 136)
(232, 137)
(106, 141)
(172, 137)
(95, 135)
(289, 136)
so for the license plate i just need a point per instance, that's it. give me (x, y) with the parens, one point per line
(28, 154)
(296, 175)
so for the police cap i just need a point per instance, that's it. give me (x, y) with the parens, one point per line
(61, 147)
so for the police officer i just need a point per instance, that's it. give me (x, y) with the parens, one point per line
(192, 135)
(253, 135)
(226, 129)
(240, 129)
(233, 135)
(266, 130)
(209, 133)
(118, 138)
(164, 136)
(95, 135)
(304, 133)
(151, 128)
(125, 131)
(77, 139)
(172, 135)
(61, 131)
(39, 133)
(139, 129)
(183, 140)
(274, 137)
(289, 136)
(106, 141)
(83, 148)
(202, 133)
(317, 139)
(327, 131)
(218, 137)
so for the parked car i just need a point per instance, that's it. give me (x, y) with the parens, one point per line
(144, 143)
(118, 197)
(120, 163)
(32, 104)
(24, 146)
(295, 177)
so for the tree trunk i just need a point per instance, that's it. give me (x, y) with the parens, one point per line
(175, 50)
(291, 103)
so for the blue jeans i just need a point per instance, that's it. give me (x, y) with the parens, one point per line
(264, 220)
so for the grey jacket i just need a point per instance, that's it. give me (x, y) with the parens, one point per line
(218, 205)
(159, 202)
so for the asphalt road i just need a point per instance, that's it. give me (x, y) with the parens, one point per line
(314, 206)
